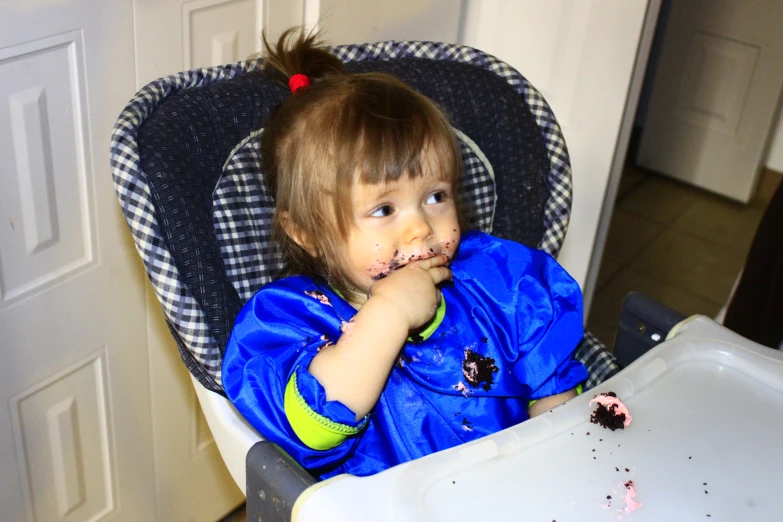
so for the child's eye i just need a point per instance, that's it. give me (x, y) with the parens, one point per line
(382, 211)
(438, 197)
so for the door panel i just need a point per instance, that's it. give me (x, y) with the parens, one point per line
(68, 416)
(715, 94)
(43, 128)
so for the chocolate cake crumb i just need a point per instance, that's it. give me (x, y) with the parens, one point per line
(478, 369)
(703, 483)
(616, 468)
(627, 470)
(588, 433)
(689, 458)
(608, 497)
(402, 360)
(416, 338)
(607, 417)
(318, 296)
(705, 491)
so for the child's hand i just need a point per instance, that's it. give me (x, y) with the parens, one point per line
(412, 289)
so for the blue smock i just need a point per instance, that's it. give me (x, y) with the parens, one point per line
(507, 302)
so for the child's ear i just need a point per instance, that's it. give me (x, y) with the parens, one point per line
(300, 236)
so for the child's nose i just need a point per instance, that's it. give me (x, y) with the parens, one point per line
(417, 227)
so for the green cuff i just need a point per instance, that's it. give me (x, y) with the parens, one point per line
(316, 431)
(440, 313)
(578, 392)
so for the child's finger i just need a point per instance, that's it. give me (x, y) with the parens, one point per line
(439, 274)
(431, 262)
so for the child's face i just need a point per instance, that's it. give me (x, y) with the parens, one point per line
(396, 223)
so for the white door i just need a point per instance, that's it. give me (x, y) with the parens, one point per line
(715, 94)
(193, 483)
(76, 431)
(579, 53)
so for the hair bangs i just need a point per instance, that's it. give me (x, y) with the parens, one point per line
(387, 131)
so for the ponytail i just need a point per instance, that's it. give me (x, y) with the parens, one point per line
(297, 52)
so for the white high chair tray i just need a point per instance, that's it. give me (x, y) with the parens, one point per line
(706, 443)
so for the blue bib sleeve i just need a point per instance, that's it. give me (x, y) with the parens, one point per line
(550, 327)
(275, 336)
(537, 306)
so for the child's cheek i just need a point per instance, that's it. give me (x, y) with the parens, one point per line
(450, 245)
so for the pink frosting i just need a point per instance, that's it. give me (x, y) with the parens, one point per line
(617, 403)
(630, 492)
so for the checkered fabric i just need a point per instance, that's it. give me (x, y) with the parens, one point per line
(198, 346)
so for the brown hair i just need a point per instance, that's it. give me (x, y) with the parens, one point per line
(316, 142)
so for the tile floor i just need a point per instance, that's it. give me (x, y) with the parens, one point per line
(678, 244)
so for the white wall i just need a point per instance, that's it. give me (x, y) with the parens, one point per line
(357, 21)
(360, 21)
(775, 154)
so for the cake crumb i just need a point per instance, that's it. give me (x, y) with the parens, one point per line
(611, 413)
(460, 387)
(630, 492)
(478, 369)
(319, 296)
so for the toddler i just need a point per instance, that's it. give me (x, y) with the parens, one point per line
(396, 333)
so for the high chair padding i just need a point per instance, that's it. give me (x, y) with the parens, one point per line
(187, 172)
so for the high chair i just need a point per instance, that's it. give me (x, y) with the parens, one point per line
(185, 160)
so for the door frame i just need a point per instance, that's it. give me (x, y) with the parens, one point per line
(621, 150)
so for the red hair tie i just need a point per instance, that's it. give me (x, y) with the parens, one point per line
(298, 81)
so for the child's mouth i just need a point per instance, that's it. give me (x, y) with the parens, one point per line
(399, 261)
